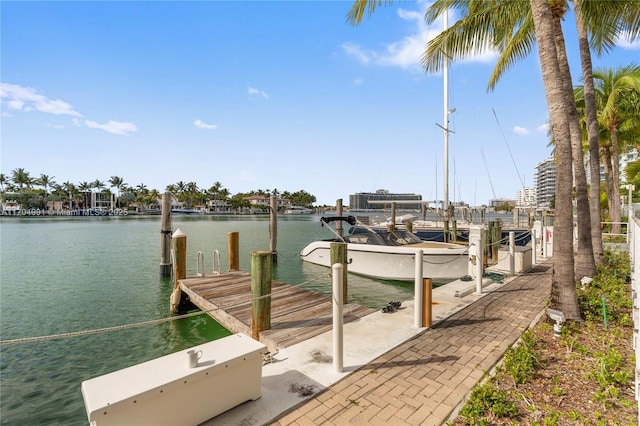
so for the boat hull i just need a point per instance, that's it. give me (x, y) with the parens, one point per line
(440, 260)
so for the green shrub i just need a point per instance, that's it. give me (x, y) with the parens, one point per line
(521, 362)
(611, 283)
(486, 399)
(610, 369)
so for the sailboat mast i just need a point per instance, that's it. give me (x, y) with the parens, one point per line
(445, 204)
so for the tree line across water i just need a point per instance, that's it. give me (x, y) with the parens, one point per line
(37, 193)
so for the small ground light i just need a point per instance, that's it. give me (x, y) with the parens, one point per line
(559, 318)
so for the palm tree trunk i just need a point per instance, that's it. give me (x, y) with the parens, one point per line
(608, 179)
(563, 285)
(584, 263)
(616, 215)
(592, 134)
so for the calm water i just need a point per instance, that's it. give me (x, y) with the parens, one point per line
(60, 275)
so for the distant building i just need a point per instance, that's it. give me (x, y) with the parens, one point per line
(360, 200)
(526, 197)
(623, 162)
(546, 175)
(499, 202)
(265, 201)
(99, 200)
(545, 182)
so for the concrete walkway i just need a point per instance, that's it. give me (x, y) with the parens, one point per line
(425, 380)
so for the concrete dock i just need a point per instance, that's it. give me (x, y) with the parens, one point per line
(396, 373)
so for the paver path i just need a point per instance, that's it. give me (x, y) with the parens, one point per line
(424, 380)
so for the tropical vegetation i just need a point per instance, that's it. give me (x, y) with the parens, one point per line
(512, 29)
(584, 376)
(37, 192)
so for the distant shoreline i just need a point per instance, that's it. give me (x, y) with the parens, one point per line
(110, 213)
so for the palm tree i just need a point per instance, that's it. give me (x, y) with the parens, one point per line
(592, 133)
(3, 181)
(70, 188)
(615, 91)
(563, 294)
(117, 182)
(46, 181)
(98, 185)
(508, 27)
(584, 260)
(21, 178)
(84, 187)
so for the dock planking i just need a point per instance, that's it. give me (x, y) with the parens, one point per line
(296, 314)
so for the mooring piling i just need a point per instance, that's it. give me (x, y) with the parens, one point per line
(233, 247)
(180, 266)
(165, 236)
(273, 228)
(261, 291)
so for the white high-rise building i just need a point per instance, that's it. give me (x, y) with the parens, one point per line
(526, 197)
(545, 182)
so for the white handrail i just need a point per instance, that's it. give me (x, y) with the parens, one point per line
(216, 261)
(200, 265)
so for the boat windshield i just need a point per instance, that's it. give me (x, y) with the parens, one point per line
(397, 237)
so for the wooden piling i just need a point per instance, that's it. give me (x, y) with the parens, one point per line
(260, 292)
(180, 267)
(454, 231)
(445, 231)
(393, 216)
(165, 236)
(339, 229)
(427, 302)
(485, 248)
(233, 239)
(338, 254)
(496, 240)
(273, 228)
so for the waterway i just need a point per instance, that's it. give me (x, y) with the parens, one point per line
(69, 274)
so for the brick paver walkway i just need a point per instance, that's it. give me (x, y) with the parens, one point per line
(424, 380)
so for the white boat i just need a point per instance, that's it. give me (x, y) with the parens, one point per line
(297, 210)
(389, 255)
(185, 210)
(10, 207)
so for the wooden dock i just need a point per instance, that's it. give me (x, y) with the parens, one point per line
(296, 314)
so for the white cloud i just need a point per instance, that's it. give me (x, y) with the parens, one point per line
(520, 130)
(406, 53)
(115, 127)
(21, 98)
(253, 91)
(358, 81)
(625, 43)
(544, 128)
(363, 56)
(202, 125)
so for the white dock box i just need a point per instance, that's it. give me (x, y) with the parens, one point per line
(522, 259)
(166, 391)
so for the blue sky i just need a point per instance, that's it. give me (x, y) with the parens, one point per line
(279, 95)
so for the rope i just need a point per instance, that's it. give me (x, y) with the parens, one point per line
(150, 322)
(97, 330)
(464, 253)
